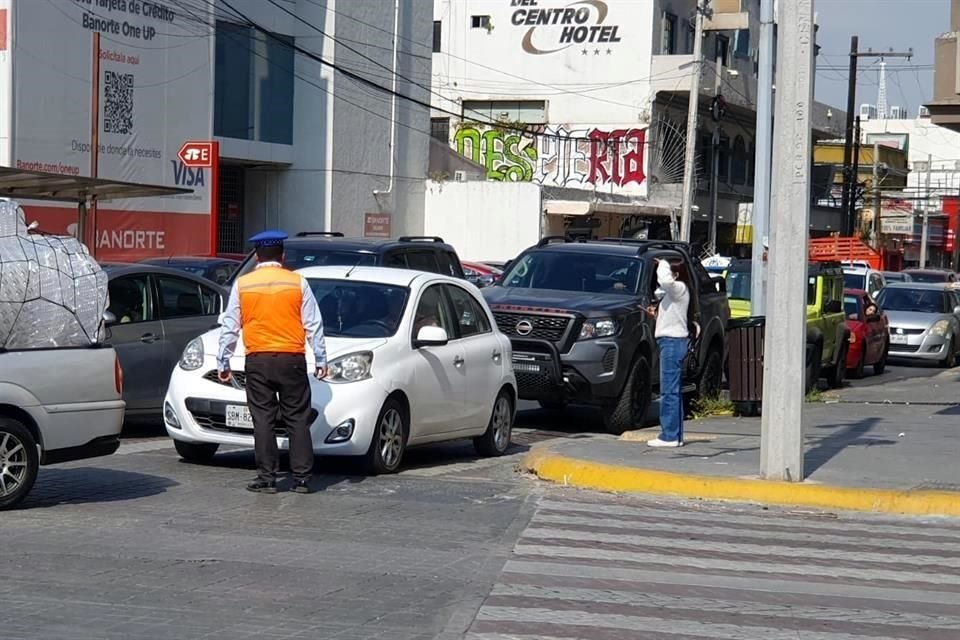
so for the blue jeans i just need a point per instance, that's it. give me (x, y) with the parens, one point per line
(672, 353)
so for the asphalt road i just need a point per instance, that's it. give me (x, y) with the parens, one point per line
(142, 546)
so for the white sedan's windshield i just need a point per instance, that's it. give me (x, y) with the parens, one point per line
(359, 309)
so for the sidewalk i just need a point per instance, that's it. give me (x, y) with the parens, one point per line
(885, 456)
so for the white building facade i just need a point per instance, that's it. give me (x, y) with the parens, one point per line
(319, 108)
(589, 100)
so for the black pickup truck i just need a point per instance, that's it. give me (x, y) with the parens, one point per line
(575, 314)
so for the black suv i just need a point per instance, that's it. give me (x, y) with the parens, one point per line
(331, 248)
(575, 314)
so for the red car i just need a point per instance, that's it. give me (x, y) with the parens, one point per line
(480, 274)
(869, 333)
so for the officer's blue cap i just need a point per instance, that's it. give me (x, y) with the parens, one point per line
(268, 239)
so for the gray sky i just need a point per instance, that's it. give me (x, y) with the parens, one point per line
(881, 24)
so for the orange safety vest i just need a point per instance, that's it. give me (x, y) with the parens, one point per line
(271, 299)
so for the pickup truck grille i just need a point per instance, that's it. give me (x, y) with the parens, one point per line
(550, 328)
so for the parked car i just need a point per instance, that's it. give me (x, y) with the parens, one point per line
(827, 334)
(156, 311)
(896, 276)
(480, 274)
(216, 270)
(869, 333)
(924, 321)
(932, 275)
(574, 312)
(413, 358)
(863, 277)
(56, 405)
(331, 248)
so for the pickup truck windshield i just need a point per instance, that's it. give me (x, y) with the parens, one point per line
(352, 309)
(567, 271)
(297, 258)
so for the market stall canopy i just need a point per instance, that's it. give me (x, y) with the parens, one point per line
(38, 185)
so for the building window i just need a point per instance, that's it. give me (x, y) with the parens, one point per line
(723, 171)
(688, 31)
(437, 31)
(480, 22)
(751, 164)
(742, 49)
(525, 111)
(440, 129)
(253, 84)
(668, 39)
(723, 50)
(740, 167)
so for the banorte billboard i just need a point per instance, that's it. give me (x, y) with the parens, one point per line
(156, 79)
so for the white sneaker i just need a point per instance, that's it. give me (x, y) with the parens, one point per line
(663, 444)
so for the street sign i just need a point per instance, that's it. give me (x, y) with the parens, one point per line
(376, 225)
(196, 155)
(896, 225)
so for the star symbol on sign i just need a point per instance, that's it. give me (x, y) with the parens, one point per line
(584, 52)
(596, 52)
(609, 51)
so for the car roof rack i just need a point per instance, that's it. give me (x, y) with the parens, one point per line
(324, 234)
(421, 239)
(544, 241)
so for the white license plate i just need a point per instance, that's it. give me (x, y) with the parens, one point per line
(897, 339)
(239, 416)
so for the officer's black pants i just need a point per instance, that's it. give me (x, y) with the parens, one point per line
(278, 388)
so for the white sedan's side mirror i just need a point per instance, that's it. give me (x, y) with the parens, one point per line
(431, 337)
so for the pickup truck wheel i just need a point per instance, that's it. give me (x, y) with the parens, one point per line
(838, 372)
(708, 387)
(196, 451)
(19, 462)
(634, 401)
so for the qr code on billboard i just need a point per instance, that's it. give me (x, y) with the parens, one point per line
(117, 102)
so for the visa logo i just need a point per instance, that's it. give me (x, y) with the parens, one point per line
(184, 176)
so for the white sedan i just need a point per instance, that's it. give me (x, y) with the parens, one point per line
(413, 358)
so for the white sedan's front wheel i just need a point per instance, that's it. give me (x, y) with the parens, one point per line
(389, 441)
(496, 439)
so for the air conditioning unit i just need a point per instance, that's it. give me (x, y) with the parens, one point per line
(459, 176)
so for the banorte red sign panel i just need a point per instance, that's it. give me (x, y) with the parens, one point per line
(951, 207)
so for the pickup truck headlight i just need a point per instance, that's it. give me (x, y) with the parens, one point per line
(350, 368)
(192, 358)
(600, 328)
(940, 328)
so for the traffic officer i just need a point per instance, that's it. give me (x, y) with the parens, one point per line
(278, 314)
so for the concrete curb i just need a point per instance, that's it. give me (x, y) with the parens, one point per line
(604, 477)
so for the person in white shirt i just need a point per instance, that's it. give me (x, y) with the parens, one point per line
(673, 338)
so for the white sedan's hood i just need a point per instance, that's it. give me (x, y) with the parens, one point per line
(336, 347)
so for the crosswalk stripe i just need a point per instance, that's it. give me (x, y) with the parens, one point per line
(688, 562)
(767, 533)
(642, 599)
(705, 546)
(870, 527)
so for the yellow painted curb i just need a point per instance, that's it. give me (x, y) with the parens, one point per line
(605, 477)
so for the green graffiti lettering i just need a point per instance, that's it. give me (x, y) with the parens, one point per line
(505, 156)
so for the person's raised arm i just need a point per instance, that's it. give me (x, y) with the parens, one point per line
(313, 325)
(229, 334)
(665, 278)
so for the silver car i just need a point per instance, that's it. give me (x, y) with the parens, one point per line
(924, 321)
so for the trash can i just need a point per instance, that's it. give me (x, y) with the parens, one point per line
(745, 364)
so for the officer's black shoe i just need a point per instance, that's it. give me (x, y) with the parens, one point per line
(262, 486)
(301, 486)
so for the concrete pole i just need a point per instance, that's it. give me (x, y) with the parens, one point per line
(781, 436)
(693, 108)
(926, 217)
(877, 204)
(760, 218)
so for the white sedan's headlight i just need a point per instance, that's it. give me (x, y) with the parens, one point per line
(940, 328)
(600, 328)
(350, 368)
(192, 358)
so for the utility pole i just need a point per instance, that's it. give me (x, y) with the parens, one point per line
(926, 218)
(851, 214)
(693, 108)
(849, 178)
(760, 218)
(716, 114)
(781, 436)
(877, 204)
